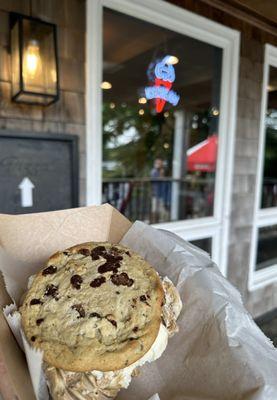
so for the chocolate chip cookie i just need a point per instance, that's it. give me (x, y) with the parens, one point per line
(94, 306)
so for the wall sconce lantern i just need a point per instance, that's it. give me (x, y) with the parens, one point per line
(34, 60)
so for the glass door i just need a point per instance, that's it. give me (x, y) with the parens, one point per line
(165, 104)
(159, 156)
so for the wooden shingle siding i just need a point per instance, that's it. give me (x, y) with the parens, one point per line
(68, 114)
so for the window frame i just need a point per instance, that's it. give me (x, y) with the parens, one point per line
(262, 216)
(187, 23)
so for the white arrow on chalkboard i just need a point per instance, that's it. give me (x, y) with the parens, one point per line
(26, 188)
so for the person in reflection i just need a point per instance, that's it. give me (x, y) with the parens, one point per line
(160, 192)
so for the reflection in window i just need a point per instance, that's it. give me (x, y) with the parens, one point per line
(269, 194)
(158, 166)
(204, 244)
(267, 249)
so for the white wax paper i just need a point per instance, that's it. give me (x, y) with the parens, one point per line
(219, 352)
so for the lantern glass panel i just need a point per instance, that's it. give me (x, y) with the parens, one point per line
(38, 58)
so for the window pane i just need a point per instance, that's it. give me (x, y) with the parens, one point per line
(204, 244)
(269, 194)
(160, 152)
(267, 248)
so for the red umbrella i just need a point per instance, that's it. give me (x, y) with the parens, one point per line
(202, 156)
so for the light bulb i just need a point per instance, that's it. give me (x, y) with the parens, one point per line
(215, 111)
(142, 100)
(106, 85)
(172, 60)
(32, 59)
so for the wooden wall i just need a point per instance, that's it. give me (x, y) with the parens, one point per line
(68, 114)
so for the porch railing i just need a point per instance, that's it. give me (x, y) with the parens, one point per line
(160, 199)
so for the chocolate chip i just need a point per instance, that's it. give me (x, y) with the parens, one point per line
(51, 290)
(97, 252)
(98, 282)
(111, 320)
(113, 258)
(76, 281)
(144, 300)
(117, 292)
(135, 329)
(39, 321)
(122, 279)
(35, 301)
(80, 309)
(147, 295)
(94, 315)
(108, 266)
(99, 249)
(49, 270)
(33, 338)
(84, 252)
(128, 253)
(66, 253)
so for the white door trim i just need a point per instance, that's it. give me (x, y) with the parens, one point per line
(94, 63)
(195, 26)
(262, 216)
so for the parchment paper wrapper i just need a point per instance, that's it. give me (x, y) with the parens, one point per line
(27, 241)
(219, 352)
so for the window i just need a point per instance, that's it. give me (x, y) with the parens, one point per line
(161, 147)
(204, 244)
(267, 249)
(158, 165)
(269, 188)
(263, 263)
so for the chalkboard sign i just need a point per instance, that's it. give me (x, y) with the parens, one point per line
(38, 172)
